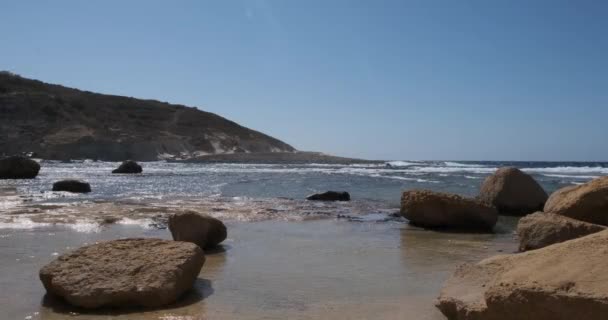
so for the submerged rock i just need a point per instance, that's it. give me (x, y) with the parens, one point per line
(17, 167)
(587, 202)
(559, 282)
(512, 192)
(128, 166)
(443, 210)
(75, 186)
(541, 229)
(201, 229)
(330, 196)
(122, 273)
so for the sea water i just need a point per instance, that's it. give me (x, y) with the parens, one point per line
(285, 257)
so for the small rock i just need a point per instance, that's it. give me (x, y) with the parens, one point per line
(74, 186)
(330, 196)
(128, 166)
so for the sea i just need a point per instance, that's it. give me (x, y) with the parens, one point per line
(285, 257)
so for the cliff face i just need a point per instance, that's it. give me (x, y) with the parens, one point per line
(56, 122)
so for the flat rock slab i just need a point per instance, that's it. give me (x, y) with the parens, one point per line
(74, 186)
(560, 282)
(542, 229)
(586, 202)
(330, 196)
(124, 273)
(432, 209)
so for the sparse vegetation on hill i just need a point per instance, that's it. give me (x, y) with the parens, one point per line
(56, 122)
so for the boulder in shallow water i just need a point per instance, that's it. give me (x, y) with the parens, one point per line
(431, 209)
(74, 186)
(128, 166)
(560, 282)
(541, 229)
(204, 230)
(17, 167)
(124, 273)
(330, 196)
(512, 192)
(586, 202)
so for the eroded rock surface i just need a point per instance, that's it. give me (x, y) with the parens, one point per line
(443, 210)
(124, 273)
(560, 282)
(587, 202)
(541, 229)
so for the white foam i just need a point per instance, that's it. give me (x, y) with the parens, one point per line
(144, 223)
(569, 169)
(571, 176)
(403, 163)
(455, 169)
(402, 178)
(22, 223)
(465, 165)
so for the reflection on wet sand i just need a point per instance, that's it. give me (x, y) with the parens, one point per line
(273, 270)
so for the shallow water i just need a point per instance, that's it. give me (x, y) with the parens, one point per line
(253, 192)
(271, 270)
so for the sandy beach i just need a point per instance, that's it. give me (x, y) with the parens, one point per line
(270, 270)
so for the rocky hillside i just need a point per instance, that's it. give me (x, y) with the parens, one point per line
(56, 122)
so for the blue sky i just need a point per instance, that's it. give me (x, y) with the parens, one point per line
(462, 80)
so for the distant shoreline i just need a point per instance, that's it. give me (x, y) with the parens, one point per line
(276, 157)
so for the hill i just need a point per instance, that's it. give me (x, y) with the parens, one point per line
(59, 123)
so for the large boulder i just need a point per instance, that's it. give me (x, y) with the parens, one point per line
(17, 167)
(74, 186)
(512, 192)
(330, 196)
(128, 166)
(586, 202)
(560, 282)
(541, 229)
(443, 210)
(124, 273)
(198, 228)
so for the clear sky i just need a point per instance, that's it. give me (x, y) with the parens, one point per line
(477, 80)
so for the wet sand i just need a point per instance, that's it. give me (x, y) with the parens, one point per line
(317, 269)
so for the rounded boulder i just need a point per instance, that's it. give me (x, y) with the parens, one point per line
(17, 167)
(128, 166)
(512, 192)
(201, 229)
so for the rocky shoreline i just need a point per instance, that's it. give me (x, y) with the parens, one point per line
(556, 275)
